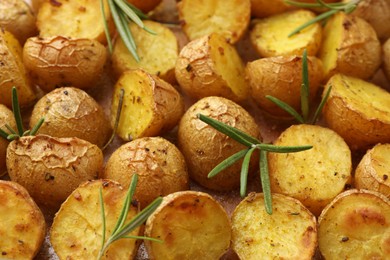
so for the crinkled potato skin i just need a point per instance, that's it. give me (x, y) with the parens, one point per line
(6, 117)
(59, 61)
(51, 168)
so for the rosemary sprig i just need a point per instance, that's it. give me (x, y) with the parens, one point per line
(121, 230)
(305, 94)
(252, 145)
(333, 8)
(122, 13)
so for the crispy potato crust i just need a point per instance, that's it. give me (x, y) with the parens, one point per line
(6, 117)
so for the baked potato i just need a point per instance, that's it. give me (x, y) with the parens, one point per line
(264, 8)
(350, 46)
(209, 66)
(314, 176)
(6, 117)
(358, 111)
(386, 58)
(22, 224)
(372, 173)
(229, 18)
(50, 168)
(17, 17)
(281, 77)
(289, 233)
(59, 61)
(76, 232)
(145, 5)
(270, 36)
(355, 225)
(71, 112)
(150, 107)
(192, 225)
(160, 167)
(13, 73)
(204, 147)
(149, 49)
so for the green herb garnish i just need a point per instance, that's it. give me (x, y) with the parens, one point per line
(252, 145)
(121, 230)
(12, 134)
(332, 9)
(122, 13)
(305, 94)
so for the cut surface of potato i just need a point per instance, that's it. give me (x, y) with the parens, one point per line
(149, 49)
(229, 18)
(77, 227)
(209, 66)
(22, 224)
(313, 176)
(270, 37)
(289, 233)
(192, 225)
(355, 225)
(151, 106)
(357, 110)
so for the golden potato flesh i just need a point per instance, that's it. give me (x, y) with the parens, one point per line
(229, 18)
(71, 112)
(160, 167)
(386, 58)
(204, 147)
(149, 49)
(264, 8)
(313, 176)
(51, 168)
(77, 228)
(17, 17)
(22, 224)
(209, 66)
(59, 61)
(192, 225)
(289, 233)
(357, 110)
(150, 107)
(350, 46)
(145, 5)
(356, 225)
(270, 37)
(73, 18)
(373, 171)
(13, 73)
(281, 77)
(6, 117)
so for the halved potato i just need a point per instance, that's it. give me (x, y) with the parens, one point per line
(355, 225)
(289, 233)
(209, 66)
(151, 106)
(270, 37)
(192, 225)
(357, 110)
(76, 232)
(373, 171)
(229, 18)
(350, 46)
(313, 176)
(22, 224)
(6, 117)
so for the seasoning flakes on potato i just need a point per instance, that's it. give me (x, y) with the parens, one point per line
(355, 225)
(289, 233)
(192, 225)
(77, 227)
(22, 224)
(160, 167)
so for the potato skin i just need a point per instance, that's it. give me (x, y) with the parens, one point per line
(386, 58)
(51, 168)
(160, 167)
(145, 5)
(264, 8)
(71, 112)
(6, 117)
(59, 61)
(281, 77)
(204, 147)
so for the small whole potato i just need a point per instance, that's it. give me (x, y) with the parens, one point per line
(386, 58)
(264, 8)
(145, 5)
(71, 112)
(159, 164)
(50, 168)
(204, 147)
(6, 117)
(59, 61)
